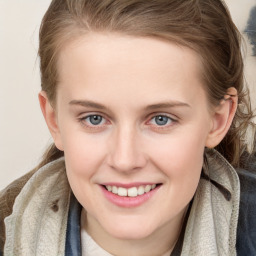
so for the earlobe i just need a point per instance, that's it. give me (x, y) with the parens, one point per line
(222, 118)
(50, 117)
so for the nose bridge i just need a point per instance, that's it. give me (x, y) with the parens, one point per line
(126, 154)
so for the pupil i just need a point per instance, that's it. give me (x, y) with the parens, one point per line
(95, 119)
(161, 120)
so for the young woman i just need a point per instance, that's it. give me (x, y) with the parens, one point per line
(148, 111)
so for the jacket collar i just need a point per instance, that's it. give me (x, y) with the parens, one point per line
(212, 224)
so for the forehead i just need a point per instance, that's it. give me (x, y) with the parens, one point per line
(138, 65)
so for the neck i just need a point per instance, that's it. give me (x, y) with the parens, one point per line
(160, 242)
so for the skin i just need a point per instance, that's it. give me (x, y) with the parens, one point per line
(134, 80)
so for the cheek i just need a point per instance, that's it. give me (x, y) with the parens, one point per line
(83, 154)
(182, 165)
(179, 150)
(180, 158)
(187, 156)
(83, 158)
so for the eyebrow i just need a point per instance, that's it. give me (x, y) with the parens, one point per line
(170, 104)
(87, 103)
(91, 104)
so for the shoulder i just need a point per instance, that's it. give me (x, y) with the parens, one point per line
(246, 230)
(7, 198)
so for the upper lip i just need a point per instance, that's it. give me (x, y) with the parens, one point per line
(129, 185)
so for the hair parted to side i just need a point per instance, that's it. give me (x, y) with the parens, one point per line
(202, 25)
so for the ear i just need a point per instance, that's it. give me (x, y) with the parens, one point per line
(50, 117)
(222, 118)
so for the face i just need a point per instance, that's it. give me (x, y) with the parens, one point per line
(133, 120)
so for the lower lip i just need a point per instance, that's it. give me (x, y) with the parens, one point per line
(129, 202)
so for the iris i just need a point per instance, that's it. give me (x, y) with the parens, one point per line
(161, 120)
(95, 119)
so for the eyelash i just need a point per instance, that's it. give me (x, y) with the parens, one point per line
(171, 121)
(85, 121)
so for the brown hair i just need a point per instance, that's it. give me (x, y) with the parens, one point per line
(202, 25)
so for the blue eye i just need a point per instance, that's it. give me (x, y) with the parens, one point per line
(161, 120)
(94, 119)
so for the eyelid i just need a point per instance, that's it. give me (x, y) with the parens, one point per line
(82, 119)
(83, 115)
(173, 119)
(171, 116)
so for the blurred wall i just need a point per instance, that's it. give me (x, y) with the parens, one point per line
(244, 15)
(23, 133)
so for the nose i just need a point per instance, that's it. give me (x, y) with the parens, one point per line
(126, 151)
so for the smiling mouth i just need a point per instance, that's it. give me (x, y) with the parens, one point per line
(131, 192)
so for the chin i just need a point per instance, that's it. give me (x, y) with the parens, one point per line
(130, 231)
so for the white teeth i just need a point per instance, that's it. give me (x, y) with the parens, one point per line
(122, 192)
(114, 190)
(141, 190)
(148, 188)
(131, 192)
